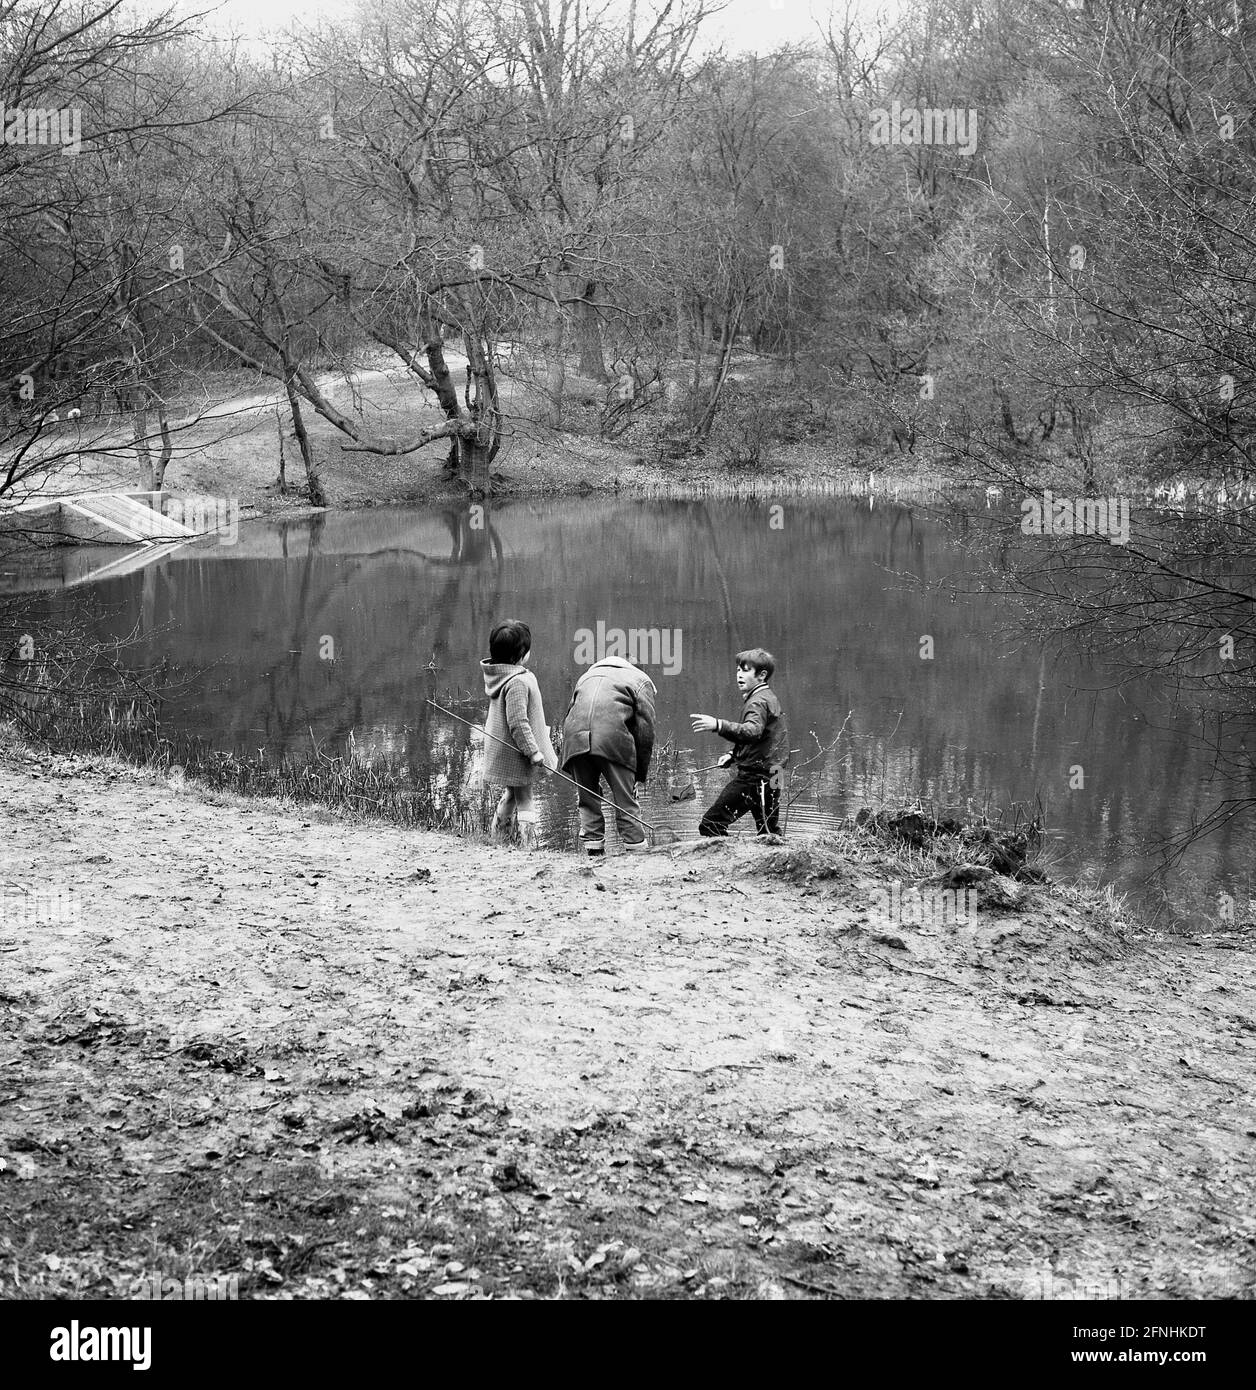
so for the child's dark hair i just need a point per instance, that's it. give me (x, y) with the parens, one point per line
(758, 660)
(509, 642)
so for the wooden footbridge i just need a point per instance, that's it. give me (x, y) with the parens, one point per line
(96, 535)
(99, 518)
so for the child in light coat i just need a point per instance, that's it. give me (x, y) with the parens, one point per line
(518, 744)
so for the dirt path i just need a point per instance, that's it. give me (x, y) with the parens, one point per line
(339, 1059)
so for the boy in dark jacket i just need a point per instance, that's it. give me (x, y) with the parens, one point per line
(760, 750)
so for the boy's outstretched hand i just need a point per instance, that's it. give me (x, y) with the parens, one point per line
(703, 723)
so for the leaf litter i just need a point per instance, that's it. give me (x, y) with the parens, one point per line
(1022, 1103)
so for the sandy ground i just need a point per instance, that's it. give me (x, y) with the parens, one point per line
(337, 1059)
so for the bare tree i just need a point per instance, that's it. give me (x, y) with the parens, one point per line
(109, 107)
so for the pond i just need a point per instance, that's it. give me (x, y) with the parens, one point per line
(340, 626)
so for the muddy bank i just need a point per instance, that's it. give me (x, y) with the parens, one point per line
(338, 1059)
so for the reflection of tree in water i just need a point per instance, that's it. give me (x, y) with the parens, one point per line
(903, 520)
(297, 702)
(470, 545)
(291, 710)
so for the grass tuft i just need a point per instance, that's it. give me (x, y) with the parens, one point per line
(381, 788)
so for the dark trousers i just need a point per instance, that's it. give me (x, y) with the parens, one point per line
(744, 791)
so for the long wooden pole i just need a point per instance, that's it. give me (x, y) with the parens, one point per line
(553, 771)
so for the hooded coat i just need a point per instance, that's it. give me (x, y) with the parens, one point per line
(612, 716)
(516, 716)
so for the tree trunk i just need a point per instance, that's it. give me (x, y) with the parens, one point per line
(476, 457)
(446, 391)
(1046, 241)
(1005, 405)
(1084, 440)
(555, 366)
(589, 335)
(167, 447)
(317, 496)
(143, 452)
(283, 480)
(701, 322)
(731, 321)
(477, 446)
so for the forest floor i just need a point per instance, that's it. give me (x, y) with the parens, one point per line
(334, 1058)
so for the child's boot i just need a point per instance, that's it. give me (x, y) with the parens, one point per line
(529, 835)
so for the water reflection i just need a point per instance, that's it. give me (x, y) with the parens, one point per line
(343, 625)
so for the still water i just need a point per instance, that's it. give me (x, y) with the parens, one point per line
(842, 592)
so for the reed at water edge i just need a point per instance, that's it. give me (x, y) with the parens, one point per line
(376, 787)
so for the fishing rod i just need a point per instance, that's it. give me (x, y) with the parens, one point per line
(659, 831)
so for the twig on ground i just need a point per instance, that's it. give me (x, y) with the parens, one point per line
(1208, 1076)
(907, 970)
(815, 1288)
(702, 1071)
